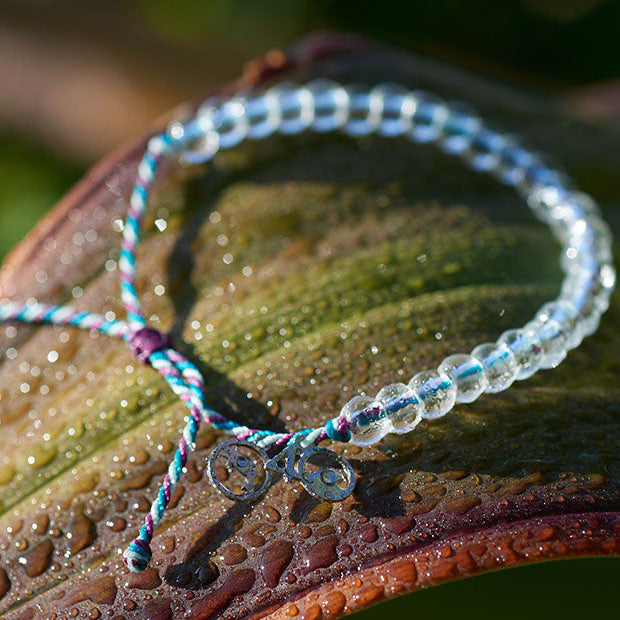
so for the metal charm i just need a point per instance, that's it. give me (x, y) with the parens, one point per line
(242, 471)
(238, 470)
(325, 474)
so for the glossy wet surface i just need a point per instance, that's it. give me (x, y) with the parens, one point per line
(296, 273)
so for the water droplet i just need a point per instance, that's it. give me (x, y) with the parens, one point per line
(5, 583)
(41, 456)
(234, 554)
(274, 561)
(82, 533)
(35, 562)
(147, 580)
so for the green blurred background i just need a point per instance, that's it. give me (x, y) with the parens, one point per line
(77, 78)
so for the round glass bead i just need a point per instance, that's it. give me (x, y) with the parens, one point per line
(206, 142)
(589, 321)
(402, 406)
(396, 109)
(576, 289)
(460, 126)
(527, 349)
(543, 171)
(565, 313)
(468, 376)
(368, 420)
(588, 318)
(588, 246)
(602, 283)
(436, 392)
(543, 199)
(560, 310)
(330, 105)
(296, 107)
(361, 119)
(231, 123)
(500, 365)
(263, 116)
(428, 118)
(554, 339)
(484, 148)
(513, 160)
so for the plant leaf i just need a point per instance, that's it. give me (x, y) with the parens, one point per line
(297, 272)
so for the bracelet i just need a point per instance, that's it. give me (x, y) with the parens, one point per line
(386, 110)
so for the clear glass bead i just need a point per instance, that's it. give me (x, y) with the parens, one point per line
(567, 220)
(543, 171)
(436, 391)
(500, 365)
(296, 106)
(362, 120)
(588, 313)
(589, 323)
(483, 151)
(565, 313)
(231, 123)
(331, 105)
(590, 293)
(429, 117)
(206, 142)
(395, 106)
(527, 349)
(467, 374)
(263, 116)
(542, 199)
(554, 339)
(600, 285)
(607, 277)
(402, 405)
(560, 310)
(460, 126)
(592, 246)
(513, 160)
(587, 203)
(368, 420)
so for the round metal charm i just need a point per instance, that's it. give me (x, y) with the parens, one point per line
(238, 470)
(325, 474)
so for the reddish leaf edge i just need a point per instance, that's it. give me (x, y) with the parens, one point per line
(461, 555)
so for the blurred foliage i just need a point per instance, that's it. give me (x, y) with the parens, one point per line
(566, 40)
(545, 42)
(568, 589)
(32, 179)
(191, 21)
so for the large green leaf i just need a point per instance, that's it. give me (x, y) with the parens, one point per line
(298, 273)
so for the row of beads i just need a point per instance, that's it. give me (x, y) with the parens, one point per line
(461, 378)
(392, 110)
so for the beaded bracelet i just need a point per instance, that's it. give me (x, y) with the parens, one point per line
(386, 110)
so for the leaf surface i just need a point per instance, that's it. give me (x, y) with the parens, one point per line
(298, 272)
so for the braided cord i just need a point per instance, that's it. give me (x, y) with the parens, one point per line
(156, 148)
(11, 311)
(390, 111)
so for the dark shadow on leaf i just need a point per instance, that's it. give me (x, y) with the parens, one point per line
(197, 570)
(222, 394)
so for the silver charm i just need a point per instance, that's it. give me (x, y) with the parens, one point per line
(325, 474)
(242, 471)
(238, 470)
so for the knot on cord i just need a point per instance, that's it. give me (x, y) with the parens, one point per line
(137, 555)
(338, 429)
(146, 341)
